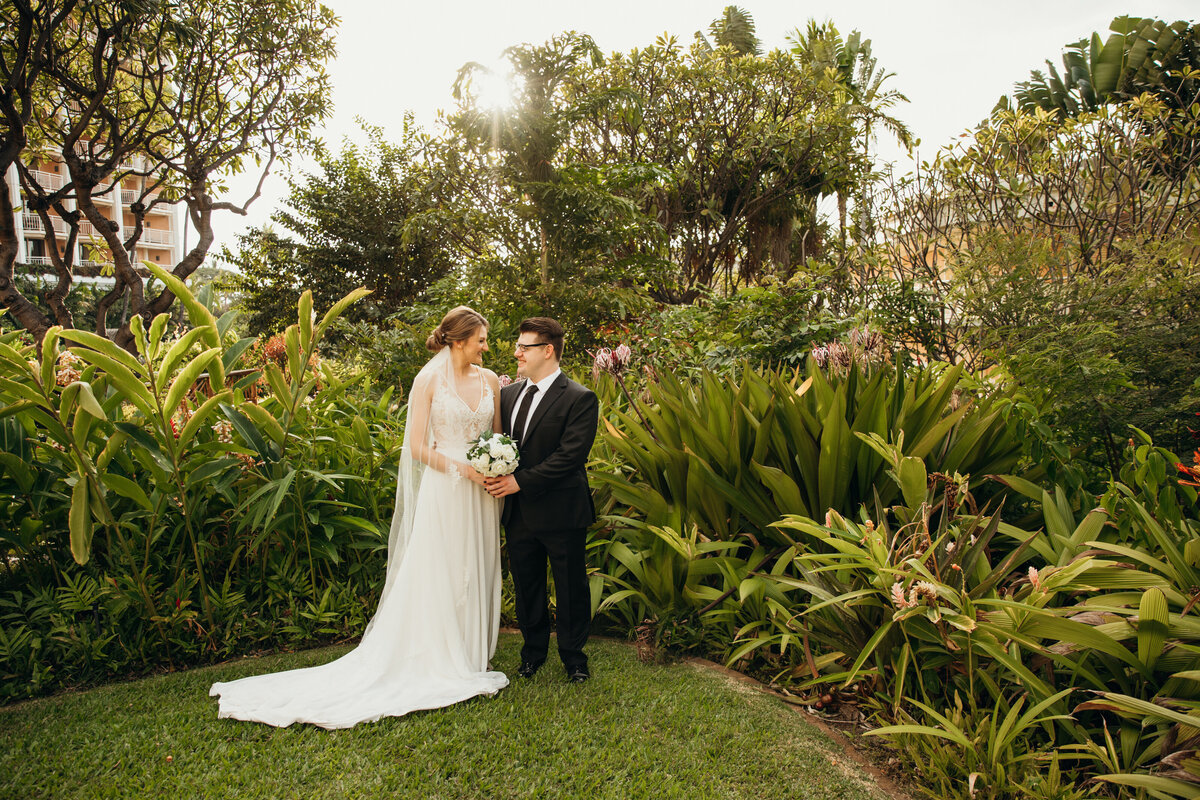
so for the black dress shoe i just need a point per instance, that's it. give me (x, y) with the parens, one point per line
(528, 669)
(578, 674)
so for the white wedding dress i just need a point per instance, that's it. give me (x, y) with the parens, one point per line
(429, 643)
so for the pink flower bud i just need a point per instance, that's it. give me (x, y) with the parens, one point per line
(603, 362)
(622, 355)
(505, 381)
(1035, 579)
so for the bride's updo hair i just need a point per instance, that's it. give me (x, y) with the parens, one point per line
(459, 323)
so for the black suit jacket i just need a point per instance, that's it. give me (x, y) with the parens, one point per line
(558, 437)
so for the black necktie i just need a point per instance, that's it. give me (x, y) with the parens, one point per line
(523, 412)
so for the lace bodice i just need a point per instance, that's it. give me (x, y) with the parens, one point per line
(455, 424)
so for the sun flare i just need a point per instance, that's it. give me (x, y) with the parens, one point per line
(496, 87)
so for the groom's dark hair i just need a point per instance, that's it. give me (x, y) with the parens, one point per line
(548, 330)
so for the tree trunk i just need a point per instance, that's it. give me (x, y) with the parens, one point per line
(24, 312)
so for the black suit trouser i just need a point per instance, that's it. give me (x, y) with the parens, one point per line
(528, 552)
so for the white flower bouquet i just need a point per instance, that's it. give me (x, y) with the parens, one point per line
(493, 455)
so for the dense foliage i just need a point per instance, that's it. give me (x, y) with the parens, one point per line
(853, 539)
(343, 227)
(1065, 252)
(148, 519)
(921, 473)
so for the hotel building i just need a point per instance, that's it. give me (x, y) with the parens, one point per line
(161, 241)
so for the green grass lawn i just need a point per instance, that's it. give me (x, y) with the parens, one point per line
(632, 731)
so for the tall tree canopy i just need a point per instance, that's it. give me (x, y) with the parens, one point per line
(343, 226)
(179, 95)
(732, 152)
(610, 182)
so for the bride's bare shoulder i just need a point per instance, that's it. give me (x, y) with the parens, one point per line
(422, 384)
(491, 377)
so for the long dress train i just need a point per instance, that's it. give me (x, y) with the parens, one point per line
(435, 630)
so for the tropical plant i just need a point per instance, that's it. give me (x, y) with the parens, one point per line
(735, 30)
(848, 65)
(159, 518)
(1140, 55)
(1064, 252)
(735, 454)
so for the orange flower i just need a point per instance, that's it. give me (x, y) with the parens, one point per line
(1191, 475)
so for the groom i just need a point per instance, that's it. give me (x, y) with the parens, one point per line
(548, 506)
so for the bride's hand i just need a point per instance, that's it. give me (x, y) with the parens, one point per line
(474, 475)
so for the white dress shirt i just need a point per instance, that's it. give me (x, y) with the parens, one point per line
(543, 385)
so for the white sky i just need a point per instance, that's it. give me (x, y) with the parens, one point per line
(952, 58)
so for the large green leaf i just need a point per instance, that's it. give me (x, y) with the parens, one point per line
(200, 417)
(185, 381)
(131, 385)
(336, 311)
(249, 433)
(913, 480)
(1152, 627)
(80, 522)
(105, 346)
(787, 495)
(126, 488)
(176, 353)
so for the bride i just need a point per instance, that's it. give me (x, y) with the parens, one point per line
(435, 629)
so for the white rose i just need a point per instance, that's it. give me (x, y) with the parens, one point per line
(480, 463)
(509, 452)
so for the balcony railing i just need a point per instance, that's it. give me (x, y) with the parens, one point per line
(157, 236)
(32, 223)
(128, 195)
(48, 180)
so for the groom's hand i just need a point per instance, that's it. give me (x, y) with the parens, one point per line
(502, 486)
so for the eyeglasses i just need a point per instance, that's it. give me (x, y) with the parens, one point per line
(521, 348)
